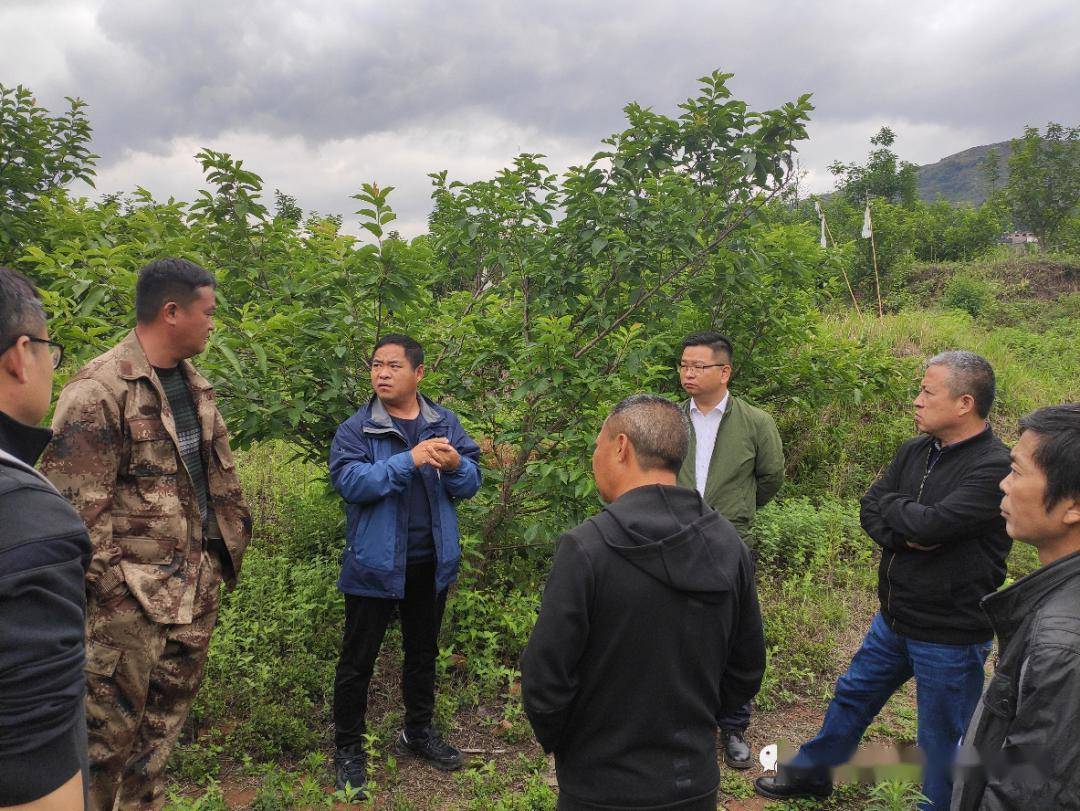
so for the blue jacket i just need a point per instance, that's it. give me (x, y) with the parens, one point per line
(370, 467)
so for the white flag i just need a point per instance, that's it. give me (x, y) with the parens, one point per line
(867, 230)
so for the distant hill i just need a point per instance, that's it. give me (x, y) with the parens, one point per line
(958, 178)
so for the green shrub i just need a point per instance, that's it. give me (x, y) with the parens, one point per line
(969, 293)
(816, 575)
(272, 657)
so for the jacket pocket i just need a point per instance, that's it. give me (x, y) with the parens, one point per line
(101, 660)
(153, 452)
(223, 453)
(166, 523)
(375, 539)
(146, 550)
(1000, 697)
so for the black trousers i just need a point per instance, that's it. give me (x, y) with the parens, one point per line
(366, 620)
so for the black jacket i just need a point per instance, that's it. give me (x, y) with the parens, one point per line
(649, 623)
(933, 596)
(44, 551)
(1021, 746)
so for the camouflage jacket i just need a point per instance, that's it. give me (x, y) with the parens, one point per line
(115, 455)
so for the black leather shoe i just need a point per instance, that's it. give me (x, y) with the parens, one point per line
(431, 748)
(736, 751)
(350, 768)
(791, 783)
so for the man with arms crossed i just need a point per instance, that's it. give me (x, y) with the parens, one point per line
(44, 550)
(400, 463)
(140, 449)
(736, 463)
(648, 625)
(1021, 749)
(934, 513)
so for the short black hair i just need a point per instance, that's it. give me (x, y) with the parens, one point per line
(20, 307)
(165, 280)
(413, 351)
(657, 429)
(969, 374)
(1058, 451)
(719, 344)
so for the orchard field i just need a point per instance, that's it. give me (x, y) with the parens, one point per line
(542, 300)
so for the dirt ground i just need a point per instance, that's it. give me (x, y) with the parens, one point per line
(481, 738)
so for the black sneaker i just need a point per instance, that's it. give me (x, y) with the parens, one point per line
(736, 751)
(431, 748)
(350, 769)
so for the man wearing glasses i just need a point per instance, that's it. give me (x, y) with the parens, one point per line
(44, 550)
(141, 450)
(736, 462)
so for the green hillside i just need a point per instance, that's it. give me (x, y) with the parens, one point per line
(959, 178)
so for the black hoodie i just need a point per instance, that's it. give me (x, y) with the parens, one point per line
(649, 623)
(44, 551)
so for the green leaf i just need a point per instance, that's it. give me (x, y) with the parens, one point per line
(230, 356)
(92, 301)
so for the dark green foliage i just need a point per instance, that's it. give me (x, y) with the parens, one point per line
(968, 293)
(1044, 180)
(39, 153)
(884, 175)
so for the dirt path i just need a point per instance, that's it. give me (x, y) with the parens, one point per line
(496, 753)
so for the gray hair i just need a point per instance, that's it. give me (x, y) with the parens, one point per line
(968, 374)
(657, 429)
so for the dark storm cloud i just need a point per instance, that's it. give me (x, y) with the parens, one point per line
(331, 70)
(429, 81)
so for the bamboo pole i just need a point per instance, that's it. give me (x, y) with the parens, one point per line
(847, 281)
(873, 254)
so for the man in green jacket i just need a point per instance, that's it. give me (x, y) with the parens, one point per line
(736, 462)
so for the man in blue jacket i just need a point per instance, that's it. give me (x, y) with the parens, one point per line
(400, 463)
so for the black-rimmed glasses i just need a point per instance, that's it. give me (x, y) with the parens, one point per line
(56, 351)
(698, 368)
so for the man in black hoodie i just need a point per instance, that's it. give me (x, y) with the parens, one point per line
(934, 512)
(649, 624)
(44, 551)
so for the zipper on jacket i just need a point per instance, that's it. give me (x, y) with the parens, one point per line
(888, 569)
(888, 582)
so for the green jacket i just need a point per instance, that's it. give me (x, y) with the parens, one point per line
(747, 466)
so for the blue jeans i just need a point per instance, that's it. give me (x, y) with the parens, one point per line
(948, 683)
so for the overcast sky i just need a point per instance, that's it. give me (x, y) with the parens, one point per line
(318, 97)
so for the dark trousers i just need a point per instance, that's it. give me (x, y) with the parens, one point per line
(706, 803)
(366, 619)
(737, 718)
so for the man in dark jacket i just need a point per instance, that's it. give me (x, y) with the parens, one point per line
(401, 463)
(934, 512)
(1021, 749)
(44, 552)
(648, 626)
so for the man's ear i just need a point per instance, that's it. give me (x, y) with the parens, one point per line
(1072, 513)
(967, 403)
(169, 311)
(13, 361)
(419, 372)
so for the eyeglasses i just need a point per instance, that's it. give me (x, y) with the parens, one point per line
(56, 351)
(698, 368)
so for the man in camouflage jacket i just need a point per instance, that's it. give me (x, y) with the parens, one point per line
(142, 452)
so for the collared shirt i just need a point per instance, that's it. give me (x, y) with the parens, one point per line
(705, 427)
